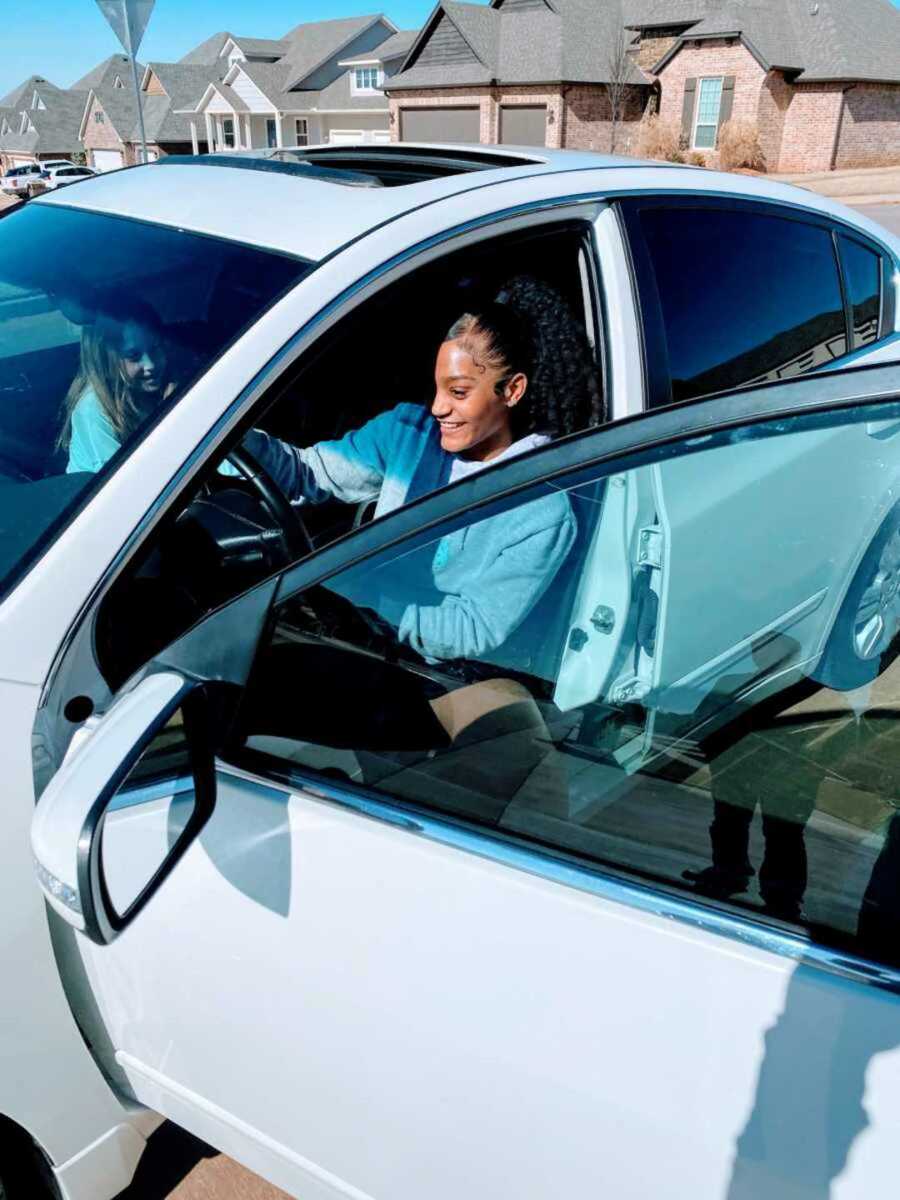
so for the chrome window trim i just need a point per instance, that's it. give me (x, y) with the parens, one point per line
(503, 849)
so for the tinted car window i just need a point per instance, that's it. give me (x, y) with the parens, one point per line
(96, 346)
(743, 297)
(862, 275)
(708, 700)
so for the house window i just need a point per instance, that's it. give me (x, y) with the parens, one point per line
(366, 79)
(709, 105)
(228, 132)
(271, 132)
(99, 118)
(302, 131)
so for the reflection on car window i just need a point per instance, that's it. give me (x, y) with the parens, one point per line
(745, 297)
(104, 322)
(686, 670)
(863, 273)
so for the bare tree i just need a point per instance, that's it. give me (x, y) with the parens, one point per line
(618, 81)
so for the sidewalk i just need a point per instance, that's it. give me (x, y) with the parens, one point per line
(873, 185)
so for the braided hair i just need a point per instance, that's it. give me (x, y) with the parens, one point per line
(528, 328)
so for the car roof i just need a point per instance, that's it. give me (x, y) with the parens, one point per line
(294, 202)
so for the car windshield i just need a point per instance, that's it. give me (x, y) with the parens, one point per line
(104, 323)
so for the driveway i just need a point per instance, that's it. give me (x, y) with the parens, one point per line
(870, 185)
(887, 215)
(178, 1166)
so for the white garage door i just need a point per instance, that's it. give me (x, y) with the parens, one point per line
(341, 137)
(108, 160)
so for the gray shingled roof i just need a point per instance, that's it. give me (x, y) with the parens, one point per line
(831, 39)
(314, 42)
(20, 97)
(264, 47)
(397, 45)
(120, 107)
(338, 95)
(569, 42)
(184, 85)
(106, 72)
(58, 125)
(208, 52)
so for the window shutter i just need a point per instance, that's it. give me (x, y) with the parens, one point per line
(727, 100)
(687, 113)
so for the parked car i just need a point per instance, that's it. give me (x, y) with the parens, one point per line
(373, 916)
(18, 180)
(60, 176)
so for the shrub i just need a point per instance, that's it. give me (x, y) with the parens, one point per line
(659, 139)
(696, 159)
(739, 146)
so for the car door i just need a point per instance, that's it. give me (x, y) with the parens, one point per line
(368, 959)
(772, 293)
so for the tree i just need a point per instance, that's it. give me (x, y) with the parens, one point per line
(618, 82)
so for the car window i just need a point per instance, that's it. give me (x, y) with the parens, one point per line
(348, 433)
(738, 297)
(96, 345)
(863, 275)
(685, 671)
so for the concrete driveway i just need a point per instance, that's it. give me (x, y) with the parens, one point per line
(887, 215)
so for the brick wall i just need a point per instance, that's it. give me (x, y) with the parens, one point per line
(721, 57)
(103, 136)
(775, 99)
(587, 120)
(870, 126)
(810, 126)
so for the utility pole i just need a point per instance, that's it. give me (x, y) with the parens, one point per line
(128, 20)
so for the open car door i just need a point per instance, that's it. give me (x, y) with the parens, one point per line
(369, 958)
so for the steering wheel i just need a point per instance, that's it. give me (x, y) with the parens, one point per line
(295, 535)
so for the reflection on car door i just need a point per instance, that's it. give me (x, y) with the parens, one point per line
(358, 996)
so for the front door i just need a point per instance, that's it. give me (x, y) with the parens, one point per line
(448, 933)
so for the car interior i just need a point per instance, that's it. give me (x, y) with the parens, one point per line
(234, 532)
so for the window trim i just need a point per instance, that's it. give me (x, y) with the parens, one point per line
(304, 133)
(697, 124)
(357, 89)
(656, 357)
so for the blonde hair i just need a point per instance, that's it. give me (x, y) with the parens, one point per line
(100, 370)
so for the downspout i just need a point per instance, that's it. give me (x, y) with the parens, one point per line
(835, 150)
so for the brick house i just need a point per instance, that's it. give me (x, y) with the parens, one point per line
(39, 121)
(819, 78)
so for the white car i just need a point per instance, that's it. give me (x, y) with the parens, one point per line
(528, 956)
(59, 175)
(17, 180)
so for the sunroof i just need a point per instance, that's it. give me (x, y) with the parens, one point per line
(396, 165)
(359, 166)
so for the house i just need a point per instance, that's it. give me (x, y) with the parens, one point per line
(819, 79)
(322, 82)
(41, 121)
(109, 118)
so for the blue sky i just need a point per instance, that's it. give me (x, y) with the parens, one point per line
(63, 39)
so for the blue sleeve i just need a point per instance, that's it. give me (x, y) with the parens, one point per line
(93, 440)
(490, 606)
(350, 469)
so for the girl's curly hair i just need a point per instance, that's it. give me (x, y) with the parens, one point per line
(529, 328)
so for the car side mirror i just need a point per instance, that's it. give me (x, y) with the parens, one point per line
(131, 796)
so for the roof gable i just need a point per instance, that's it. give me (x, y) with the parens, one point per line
(21, 96)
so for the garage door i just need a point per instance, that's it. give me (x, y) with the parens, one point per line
(345, 137)
(523, 125)
(440, 124)
(107, 160)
